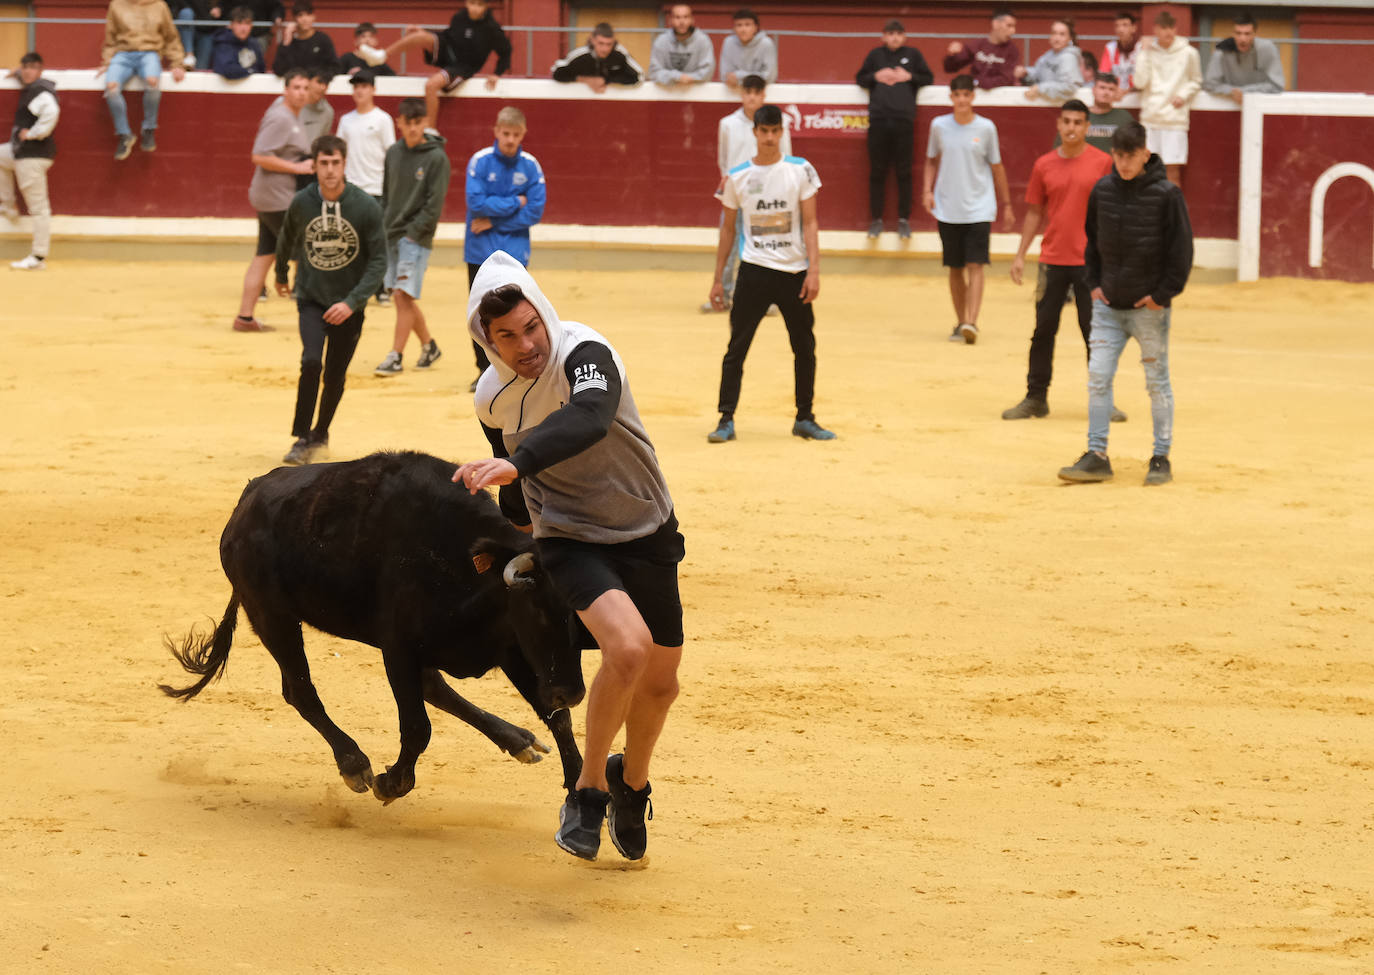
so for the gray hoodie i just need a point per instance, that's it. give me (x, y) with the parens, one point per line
(670, 59)
(759, 56)
(611, 491)
(1057, 74)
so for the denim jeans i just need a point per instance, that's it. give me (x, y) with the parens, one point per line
(123, 66)
(1110, 330)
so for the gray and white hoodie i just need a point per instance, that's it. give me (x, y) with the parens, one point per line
(759, 56)
(587, 468)
(671, 58)
(1057, 74)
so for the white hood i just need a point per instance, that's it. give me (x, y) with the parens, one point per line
(501, 269)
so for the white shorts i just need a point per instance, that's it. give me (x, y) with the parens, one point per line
(1171, 144)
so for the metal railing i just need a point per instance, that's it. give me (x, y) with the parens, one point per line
(575, 35)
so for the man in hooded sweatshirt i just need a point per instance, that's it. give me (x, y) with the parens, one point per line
(574, 462)
(333, 231)
(1137, 259)
(748, 51)
(417, 175)
(894, 74)
(682, 55)
(1168, 73)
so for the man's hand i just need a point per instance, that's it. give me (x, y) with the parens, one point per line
(928, 201)
(523, 201)
(955, 47)
(885, 76)
(1237, 95)
(481, 225)
(732, 79)
(1176, 102)
(23, 134)
(1033, 91)
(305, 167)
(483, 473)
(1008, 217)
(491, 82)
(811, 286)
(1019, 72)
(178, 73)
(338, 313)
(684, 80)
(901, 74)
(288, 33)
(717, 295)
(1018, 265)
(1146, 43)
(283, 289)
(1098, 295)
(1148, 302)
(595, 82)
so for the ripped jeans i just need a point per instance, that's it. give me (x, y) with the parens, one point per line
(1111, 328)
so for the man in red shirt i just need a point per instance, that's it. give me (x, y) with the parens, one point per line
(1057, 197)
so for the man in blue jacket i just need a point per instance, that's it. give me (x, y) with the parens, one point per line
(505, 198)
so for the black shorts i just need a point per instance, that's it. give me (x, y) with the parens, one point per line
(645, 569)
(964, 243)
(269, 227)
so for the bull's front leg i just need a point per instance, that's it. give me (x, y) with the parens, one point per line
(559, 722)
(404, 674)
(515, 741)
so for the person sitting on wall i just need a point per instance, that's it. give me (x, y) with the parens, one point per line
(599, 62)
(364, 35)
(236, 52)
(139, 36)
(302, 45)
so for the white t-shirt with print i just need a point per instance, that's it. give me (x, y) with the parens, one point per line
(769, 200)
(369, 137)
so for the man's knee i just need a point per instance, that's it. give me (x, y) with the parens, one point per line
(435, 82)
(111, 90)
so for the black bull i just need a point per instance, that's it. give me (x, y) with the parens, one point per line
(381, 551)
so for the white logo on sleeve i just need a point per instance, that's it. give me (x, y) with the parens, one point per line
(588, 377)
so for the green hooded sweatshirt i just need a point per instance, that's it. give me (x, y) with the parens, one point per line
(339, 247)
(416, 182)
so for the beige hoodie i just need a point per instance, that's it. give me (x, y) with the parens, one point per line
(141, 25)
(1161, 76)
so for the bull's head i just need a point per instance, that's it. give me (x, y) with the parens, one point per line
(542, 624)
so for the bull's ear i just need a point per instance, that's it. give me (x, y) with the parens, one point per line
(482, 562)
(487, 552)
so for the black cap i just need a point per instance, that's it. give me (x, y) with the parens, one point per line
(363, 77)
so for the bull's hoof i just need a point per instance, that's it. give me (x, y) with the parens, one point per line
(392, 784)
(356, 771)
(531, 753)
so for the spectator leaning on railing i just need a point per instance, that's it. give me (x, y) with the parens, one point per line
(236, 52)
(599, 62)
(995, 60)
(303, 46)
(681, 55)
(1118, 57)
(1058, 73)
(748, 51)
(139, 34)
(1244, 62)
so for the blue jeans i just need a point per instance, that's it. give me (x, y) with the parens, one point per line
(123, 66)
(406, 262)
(1111, 328)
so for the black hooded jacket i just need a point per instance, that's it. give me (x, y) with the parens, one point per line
(1140, 241)
(893, 101)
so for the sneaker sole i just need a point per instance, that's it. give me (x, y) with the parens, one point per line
(1155, 482)
(1077, 477)
(387, 372)
(712, 438)
(969, 334)
(568, 849)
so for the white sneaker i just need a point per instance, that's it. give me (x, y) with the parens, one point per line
(373, 56)
(390, 366)
(31, 263)
(188, 62)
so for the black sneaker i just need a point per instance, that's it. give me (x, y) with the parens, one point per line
(429, 354)
(1026, 409)
(149, 143)
(874, 229)
(1160, 472)
(723, 433)
(904, 228)
(579, 822)
(627, 811)
(811, 430)
(1118, 416)
(124, 146)
(298, 454)
(1089, 469)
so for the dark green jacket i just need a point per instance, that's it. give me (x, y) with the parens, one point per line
(339, 248)
(415, 184)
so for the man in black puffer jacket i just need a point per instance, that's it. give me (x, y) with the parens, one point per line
(1139, 253)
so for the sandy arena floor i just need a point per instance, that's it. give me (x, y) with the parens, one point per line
(940, 713)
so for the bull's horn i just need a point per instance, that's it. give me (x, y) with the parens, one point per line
(518, 566)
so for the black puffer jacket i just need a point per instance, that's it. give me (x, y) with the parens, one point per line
(1139, 239)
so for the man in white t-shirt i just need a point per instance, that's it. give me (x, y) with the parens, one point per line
(735, 145)
(775, 197)
(369, 133)
(963, 149)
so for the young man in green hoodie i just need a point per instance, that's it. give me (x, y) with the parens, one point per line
(417, 175)
(333, 231)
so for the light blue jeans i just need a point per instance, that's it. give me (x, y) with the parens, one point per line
(123, 66)
(1111, 328)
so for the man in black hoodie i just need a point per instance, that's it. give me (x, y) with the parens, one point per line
(1139, 253)
(893, 74)
(458, 52)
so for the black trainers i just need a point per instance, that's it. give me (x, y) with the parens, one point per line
(811, 430)
(1026, 409)
(579, 822)
(1160, 472)
(124, 145)
(904, 228)
(149, 143)
(1089, 469)
(723, 433)
(429, 354)
(627, 811)
(875, 228)
(299, 453)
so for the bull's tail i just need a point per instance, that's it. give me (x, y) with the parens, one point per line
(202, 654)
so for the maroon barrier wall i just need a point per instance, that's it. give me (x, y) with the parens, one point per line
(622, 163)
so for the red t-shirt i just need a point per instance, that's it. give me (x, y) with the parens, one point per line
(1062, 186)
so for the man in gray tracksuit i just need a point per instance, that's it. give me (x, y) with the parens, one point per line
(683, 55)
(574, 463)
